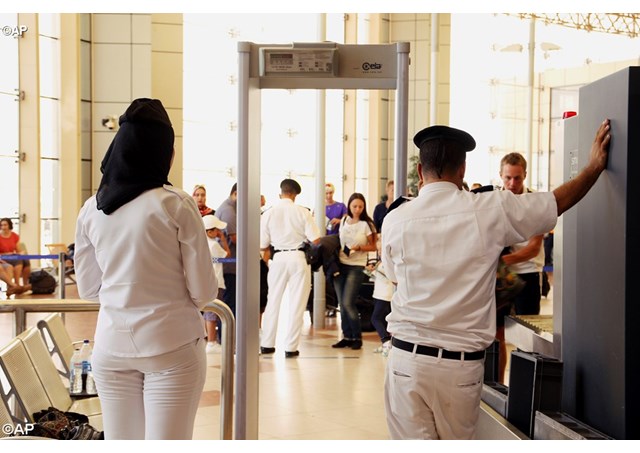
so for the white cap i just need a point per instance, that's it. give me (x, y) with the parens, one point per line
(211, 222)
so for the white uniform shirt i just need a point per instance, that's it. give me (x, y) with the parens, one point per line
(286, 226)
(217, 251)
(442, 249)
(149, 266)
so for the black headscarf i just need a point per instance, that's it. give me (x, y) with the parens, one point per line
(139, 157)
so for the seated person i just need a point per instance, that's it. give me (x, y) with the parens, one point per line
(6, 275)
(10, 244)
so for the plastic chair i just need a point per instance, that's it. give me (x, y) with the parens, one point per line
(5, 419)
(59, 344)
(48, 373)
(56, 249)
(23, 381)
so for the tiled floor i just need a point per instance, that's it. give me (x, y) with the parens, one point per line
(325, 393)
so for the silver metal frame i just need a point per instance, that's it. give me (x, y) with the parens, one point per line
(391, 72)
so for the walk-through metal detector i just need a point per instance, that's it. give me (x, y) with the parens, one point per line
(318, 66)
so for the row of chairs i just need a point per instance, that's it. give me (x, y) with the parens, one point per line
(31, 381)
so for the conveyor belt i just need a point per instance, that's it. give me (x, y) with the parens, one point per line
(531, 333)
(541, 324)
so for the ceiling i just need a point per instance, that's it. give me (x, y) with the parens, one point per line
(614, 23)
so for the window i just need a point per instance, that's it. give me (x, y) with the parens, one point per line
(9, 136)
(49, 63)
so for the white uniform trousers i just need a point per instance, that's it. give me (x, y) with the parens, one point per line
(431, 398)
(151, 397)
(287, 269)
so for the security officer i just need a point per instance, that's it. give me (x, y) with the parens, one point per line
(443, 311)
(286, 226)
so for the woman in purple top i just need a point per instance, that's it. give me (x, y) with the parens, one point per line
(334, 210)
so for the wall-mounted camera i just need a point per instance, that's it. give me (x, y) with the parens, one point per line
(110, 122)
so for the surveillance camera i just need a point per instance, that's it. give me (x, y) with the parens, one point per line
(110, 122)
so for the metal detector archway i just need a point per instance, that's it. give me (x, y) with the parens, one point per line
(319, 66)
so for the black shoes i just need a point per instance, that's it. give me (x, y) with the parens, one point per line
(344, 343)
(287, 354)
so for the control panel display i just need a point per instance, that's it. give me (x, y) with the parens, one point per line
(298, 61)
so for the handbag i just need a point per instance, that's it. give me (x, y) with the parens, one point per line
(310, 255)
(56, 424)
(508, 286)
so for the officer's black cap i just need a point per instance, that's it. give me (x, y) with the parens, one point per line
(465, 140)
(290, 186)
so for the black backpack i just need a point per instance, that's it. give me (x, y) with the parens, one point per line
(42, 282)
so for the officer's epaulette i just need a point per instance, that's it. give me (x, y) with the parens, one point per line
(397, 202)
(482, 189)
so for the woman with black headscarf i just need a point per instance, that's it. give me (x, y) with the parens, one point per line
(141, 251)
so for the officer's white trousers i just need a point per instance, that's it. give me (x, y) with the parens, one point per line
(287, 269)
(431, 398)
(151, 397)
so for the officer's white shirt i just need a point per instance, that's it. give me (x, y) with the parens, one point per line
(442, 249)
(286, 226)
(149, 266)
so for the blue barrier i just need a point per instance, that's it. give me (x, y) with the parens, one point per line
(55, 257)
(224, 260)
(28, 257)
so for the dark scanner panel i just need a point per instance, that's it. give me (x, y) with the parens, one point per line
(601, 356)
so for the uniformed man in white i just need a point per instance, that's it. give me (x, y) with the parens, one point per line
(286, 226)
(443, 311)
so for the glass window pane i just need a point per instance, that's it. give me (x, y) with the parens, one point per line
(49, 234)
(85, 27)
(335, 27)
(9, 137)
(49, 188)
(85, 71)
(86, 194)
(85, 127)
(49, 24)
(49, 128)
(287, 138)
(334, 140)
(9, 52)
(86, 175)
(49, 67)
(9, 186)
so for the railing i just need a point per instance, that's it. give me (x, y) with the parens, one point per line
(20, 308)
(61, 267)
(227, 366)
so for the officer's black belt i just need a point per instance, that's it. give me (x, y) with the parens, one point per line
(288, 250)
(428, 350)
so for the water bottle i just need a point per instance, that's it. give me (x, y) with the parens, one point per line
(75, 378)
(88, 384)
